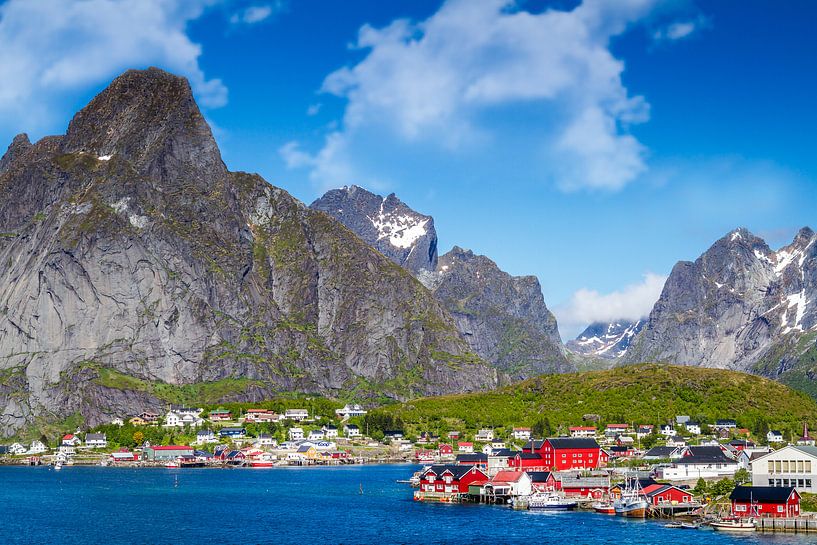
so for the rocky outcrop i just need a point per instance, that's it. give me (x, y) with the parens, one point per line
(503, 318)
(385, 223)
(735, 306)
(606, 340)
(132, 262)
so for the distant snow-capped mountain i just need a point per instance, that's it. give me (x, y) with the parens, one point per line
(605, 340)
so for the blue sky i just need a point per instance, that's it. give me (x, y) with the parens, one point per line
(593, 144)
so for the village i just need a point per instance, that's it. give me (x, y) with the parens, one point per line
(713, 475)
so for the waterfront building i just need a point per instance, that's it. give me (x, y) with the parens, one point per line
(792, 465)
(564, 453)
(700, 462)
(166, 452)
(765, 501)
(451, 479)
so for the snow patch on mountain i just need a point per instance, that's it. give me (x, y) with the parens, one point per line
(609, 341)
(401, 230)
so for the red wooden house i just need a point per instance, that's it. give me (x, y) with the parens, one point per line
(662, 494)
(446, 450)
(451, 479)
(563, 453)
(543, 481)
(765, 501)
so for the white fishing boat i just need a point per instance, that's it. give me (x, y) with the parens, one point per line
(58, 466)
(550, 500)
(734, 525)
(632, 503)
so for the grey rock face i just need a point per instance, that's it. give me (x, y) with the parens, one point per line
(733, 304)
(606, 340)
(504, 318)
(385, 223)
(130, 257)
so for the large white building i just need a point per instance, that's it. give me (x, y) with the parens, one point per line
(790, 466)
(700, 462)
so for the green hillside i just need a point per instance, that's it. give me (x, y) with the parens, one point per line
(646, 393)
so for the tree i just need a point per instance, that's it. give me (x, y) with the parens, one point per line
(723, 487)
(700, 487)
(742, 476)
(650, 440)
(138, 437)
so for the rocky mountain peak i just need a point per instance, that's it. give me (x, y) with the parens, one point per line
(17, 148)
(149, 118)
(606, 340)
(403, 235)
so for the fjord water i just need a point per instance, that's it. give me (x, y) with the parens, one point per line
(282, 506)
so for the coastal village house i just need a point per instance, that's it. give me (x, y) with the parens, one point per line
(793, 465)
(70, 440)
(465, 446)
(451, 479)
(260, 415)
(521, 434)
(37, 447)
(700, 462)
(351, 430)
(583, 431)
(233, 432)
(165, 453)
(204, 437)
(563, 453)
(96, 440)
(350, 411)
(693, 427)
(220, 415)
(774, 436)
(296, 434)
(644, 430)
(510, 483)
(484, 436)
(297, 415)
(765, 501)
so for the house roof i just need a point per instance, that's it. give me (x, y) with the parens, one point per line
(304, 448)
(507, 476)
(171, 447)
(539, 476)
(475, 457)
(572, 442)
(763, 494)
(94, 436)
(68, 436)
(457, 471)
(705, 455)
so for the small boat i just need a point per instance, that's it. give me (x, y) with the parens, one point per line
(632, 503)
(58, 466)
(690, 525)
(734, 525)
(550, 500)
(604, 507)
(172, 464)
(673, 525)
(265, 460)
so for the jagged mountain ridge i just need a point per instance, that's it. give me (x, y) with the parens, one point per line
(503, 318)
(130, 255)
(741, 305)
(606, 340)
(387, 224)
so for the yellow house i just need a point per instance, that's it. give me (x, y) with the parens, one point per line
(137, 421)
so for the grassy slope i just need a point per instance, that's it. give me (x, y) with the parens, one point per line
(646, 393)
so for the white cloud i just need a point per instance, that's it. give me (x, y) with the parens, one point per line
(53, 47)
(441, 79)
(630, 303)
(256, 14)
(681, 29)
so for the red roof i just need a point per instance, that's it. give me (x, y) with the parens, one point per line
(69, 436)
(465, 444)
(617, 426)
(582, 428)
(172, 447)
(507, 476)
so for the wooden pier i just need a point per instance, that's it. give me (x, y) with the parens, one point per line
(793, 525)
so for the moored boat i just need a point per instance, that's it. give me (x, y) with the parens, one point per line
(734, 525)
(550, 500)
(604, 507)
(264, 460)
(631, 507)
(172, 464)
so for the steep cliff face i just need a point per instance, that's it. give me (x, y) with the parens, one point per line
(504, 318)
(606, 340)
(132, 261)
(736, 306)
(385, 223)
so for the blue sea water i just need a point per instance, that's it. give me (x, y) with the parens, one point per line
(282, 506)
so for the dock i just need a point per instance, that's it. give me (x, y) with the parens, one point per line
(798, 525)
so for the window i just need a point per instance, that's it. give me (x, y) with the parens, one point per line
(740, 508)
(808, 466)
(771, 466)
(778, 466)
(801, 483)
(799, 466)
(785, 466)
(808, 483)
(779, 508)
